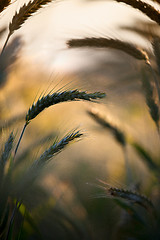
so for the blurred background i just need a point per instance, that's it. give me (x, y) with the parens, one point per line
(37, 60)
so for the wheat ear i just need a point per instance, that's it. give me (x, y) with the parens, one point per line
(128, 195)
(57, 97)
(4, 4)
(25, 12)
(110, 43)
(145, 8)
(56, 148)
(39, 164)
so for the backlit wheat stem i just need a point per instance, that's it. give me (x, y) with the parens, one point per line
(145, 8)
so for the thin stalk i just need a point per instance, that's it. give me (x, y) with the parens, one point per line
(5, 44)
(20, 139)
(17, 206)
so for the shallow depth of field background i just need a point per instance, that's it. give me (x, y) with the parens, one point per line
(44, 62)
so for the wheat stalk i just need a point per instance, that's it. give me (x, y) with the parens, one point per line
(25, 12)
(119, 136)
(149, 94)
(4, 4)
(57, 97)
(110, 43)
(145, 8)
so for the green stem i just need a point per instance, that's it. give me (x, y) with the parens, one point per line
(20, 139)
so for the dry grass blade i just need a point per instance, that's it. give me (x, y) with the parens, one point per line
(145, 8)
(4, 4)
(119, 136)
(58, 97)
(110, 43)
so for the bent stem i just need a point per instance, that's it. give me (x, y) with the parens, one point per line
(20, 139)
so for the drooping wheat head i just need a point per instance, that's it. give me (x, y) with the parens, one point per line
(110, 43)
(58, 97)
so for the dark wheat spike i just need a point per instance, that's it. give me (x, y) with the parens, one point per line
(131, 196)
(4, 4)
(110, 43)
(24, 13)
(58, 97)
(145, 8)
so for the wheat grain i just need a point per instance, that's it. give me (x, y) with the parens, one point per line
(58, 97)
(145, 8)
(110, 43)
